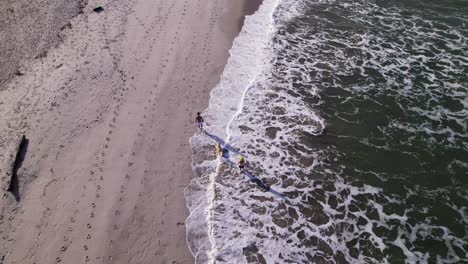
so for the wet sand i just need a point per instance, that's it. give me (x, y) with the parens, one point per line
(107, 115)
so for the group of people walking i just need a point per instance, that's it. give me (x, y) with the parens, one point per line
(219, 149)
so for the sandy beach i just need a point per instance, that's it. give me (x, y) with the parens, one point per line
(107, 114)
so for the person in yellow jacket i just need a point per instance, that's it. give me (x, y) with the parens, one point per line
(241, 164)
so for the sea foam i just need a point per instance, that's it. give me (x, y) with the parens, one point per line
(248, 59)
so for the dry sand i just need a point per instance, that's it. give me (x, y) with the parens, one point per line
(28, 29)
(108, 114)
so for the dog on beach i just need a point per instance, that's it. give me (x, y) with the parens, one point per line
(219, 150)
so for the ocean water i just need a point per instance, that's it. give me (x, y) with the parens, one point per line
(355, 115)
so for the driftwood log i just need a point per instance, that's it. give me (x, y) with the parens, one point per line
(10, 160)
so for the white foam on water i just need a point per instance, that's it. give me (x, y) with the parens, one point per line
(248, 59)
(257, 111)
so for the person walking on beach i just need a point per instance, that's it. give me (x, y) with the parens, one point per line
(241, 164)
(199, 120)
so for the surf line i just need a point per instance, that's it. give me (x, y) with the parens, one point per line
(252, 43)
(212, 182)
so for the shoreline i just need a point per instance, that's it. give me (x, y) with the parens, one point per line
(207, 221)
(108, 114)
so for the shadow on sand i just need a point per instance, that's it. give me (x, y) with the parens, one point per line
(20, 156)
